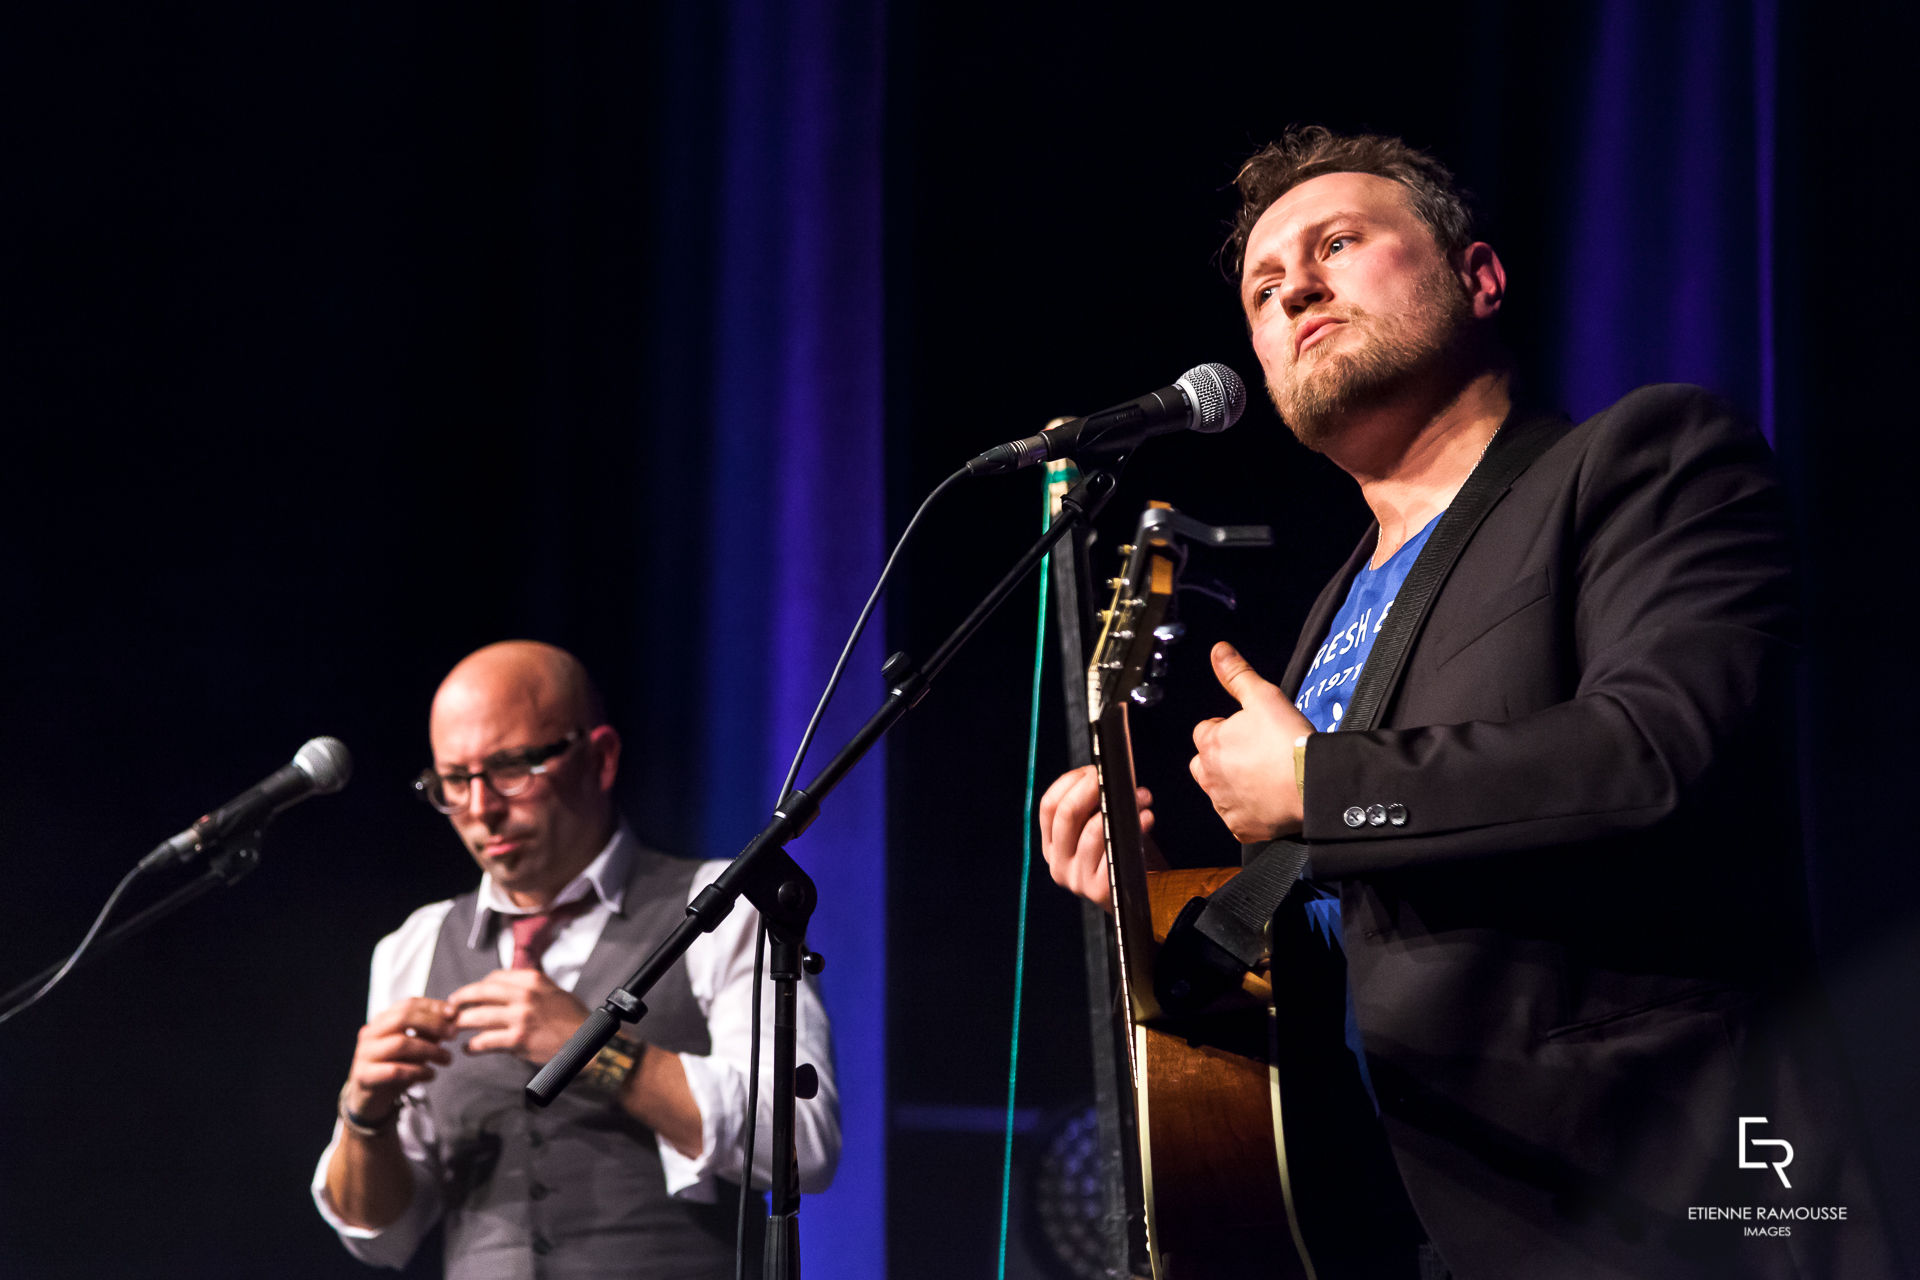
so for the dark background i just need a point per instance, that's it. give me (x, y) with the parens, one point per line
(336, 341)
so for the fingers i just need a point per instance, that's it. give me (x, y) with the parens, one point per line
(501, 1016)
(417, 1015)
(378, 1053)
(1070, 803)
(502, 986)
(1206, 736)
(410, 1031)
(1237, 676)
(478, 1017)
(485, 991)
(399, 1048)
(1078, 858)
(385, 1078)
(1070, 783)
(1073, 837)
(1086, 871)
(517, 1011)
(509, 1036)
(497, 1007)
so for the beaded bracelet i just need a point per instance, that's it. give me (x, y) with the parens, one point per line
(610, 1069)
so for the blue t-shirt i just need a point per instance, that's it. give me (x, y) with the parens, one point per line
(1329, 682)
(1324, 694)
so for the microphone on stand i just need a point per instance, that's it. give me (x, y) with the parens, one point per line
(319, 768)
(1208, 397)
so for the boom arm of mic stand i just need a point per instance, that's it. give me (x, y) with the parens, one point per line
(233, 861)
(785, 894)
(784, 883)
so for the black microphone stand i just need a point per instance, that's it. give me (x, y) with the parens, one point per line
(233, 859)
(785, 896)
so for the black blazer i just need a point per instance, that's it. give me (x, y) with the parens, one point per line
(1570, 953)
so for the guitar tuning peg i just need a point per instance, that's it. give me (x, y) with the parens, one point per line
(1156, 665)
(1147, 695)
(1170, 632)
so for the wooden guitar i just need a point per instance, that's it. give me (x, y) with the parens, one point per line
(1217, 1168)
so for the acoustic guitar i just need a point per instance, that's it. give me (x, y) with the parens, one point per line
(1236, 1104)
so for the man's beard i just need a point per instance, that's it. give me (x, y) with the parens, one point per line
(1395, 355)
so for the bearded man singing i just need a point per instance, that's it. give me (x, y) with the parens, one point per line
(1562, 860)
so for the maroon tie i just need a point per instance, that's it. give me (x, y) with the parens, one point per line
(533, 934)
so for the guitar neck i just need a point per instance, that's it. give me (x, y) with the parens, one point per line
(1126, 860)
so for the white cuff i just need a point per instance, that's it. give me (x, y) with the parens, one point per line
(388, 1246)
(718, 1093)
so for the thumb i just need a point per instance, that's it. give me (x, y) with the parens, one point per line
(1237, 676)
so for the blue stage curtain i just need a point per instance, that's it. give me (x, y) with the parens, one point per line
(767, 432)
(1668, 267)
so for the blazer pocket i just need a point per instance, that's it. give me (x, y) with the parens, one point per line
(1707, 998)
(1485, 618)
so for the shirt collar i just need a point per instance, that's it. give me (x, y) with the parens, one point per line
(605, 878)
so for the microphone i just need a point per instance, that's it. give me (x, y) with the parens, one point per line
(321, 767)
(1208, 397)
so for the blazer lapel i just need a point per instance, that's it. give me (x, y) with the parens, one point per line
(1512, 451)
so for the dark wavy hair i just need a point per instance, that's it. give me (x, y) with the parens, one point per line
(1309, 151)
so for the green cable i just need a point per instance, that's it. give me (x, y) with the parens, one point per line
(1026, 877)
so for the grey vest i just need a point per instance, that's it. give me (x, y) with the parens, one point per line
(573, 1191)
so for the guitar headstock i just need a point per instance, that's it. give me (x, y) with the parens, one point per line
(1130, 654)
(1136, 628)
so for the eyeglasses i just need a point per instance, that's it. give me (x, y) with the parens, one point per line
(509, 773)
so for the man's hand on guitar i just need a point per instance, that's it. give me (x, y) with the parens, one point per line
(1245, 762)
(1072, 838)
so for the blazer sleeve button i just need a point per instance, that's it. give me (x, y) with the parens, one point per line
(1356, 816)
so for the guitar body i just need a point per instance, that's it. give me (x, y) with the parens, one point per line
(1212, 1150)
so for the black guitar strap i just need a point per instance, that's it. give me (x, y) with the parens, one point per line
(1235, 918)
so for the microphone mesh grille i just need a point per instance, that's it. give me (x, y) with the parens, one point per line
(1218, 396)
(327, 761)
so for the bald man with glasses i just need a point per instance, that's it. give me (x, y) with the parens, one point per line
(635, 1169)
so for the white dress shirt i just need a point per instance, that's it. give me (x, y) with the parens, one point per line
(720, 971)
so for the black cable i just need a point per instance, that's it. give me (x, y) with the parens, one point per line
(106, 912)
(786, 793)
(833, 681)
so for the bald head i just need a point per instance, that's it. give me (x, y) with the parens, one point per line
(522, 676)
(499, 704)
